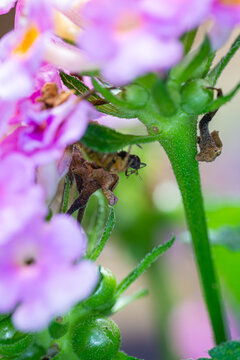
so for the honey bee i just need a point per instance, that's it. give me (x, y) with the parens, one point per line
(117, 162)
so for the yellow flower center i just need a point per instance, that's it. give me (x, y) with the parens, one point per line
(128, 22)
(230, 2)
(29, 38)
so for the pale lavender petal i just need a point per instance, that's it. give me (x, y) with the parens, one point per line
(32, 316)
(22, 84)
(74, 128)
(141, 55)
(48, 178)
(17, 209)
(23, 169)
(66, 237)
(9, 291)
(67, 57)
(69, 286)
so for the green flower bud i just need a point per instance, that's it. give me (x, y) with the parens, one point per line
(58, 327)
(12, 342)
(33, 353)
(4, 316)
(195, 96)
(96, 338)
(102, 298)
(135, 95)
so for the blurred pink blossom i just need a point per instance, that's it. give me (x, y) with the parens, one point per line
(119, 37)
(32, 45)
(173, 17)
(45, 134)
(21, 200)
(22, 51)
(191, 332)
(39, 273)
(226, 12)
(226, 15)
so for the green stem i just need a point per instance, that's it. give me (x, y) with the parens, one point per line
(178, 137)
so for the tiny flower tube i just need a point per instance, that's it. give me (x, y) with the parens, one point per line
(39, 266)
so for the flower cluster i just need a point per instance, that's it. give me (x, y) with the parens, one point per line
(121, 40)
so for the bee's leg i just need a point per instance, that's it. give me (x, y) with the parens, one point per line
(127, 172)
(142, 165)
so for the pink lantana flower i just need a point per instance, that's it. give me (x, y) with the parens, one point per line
(119, 37)
(31, 45)
(20, 198)
(21, 52)
(226, 12)
(174, 17)
(6, 6)
(55, 51)
(226, 15)
(46, 133)
(39, 273)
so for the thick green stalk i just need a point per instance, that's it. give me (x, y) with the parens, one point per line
(177, 135)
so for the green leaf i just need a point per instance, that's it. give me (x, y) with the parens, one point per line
(124, 301)
(163, 99)
(106, 140)
(97, 220)
(108, 95)
(226, 351)
(193, 65)
(223, 220)
(225, 212)
(214, 105)
(66, 193)
(228, 237)
(149, 259)
(105, 236)
(188, 39)
(227, 263)
(217, 70)
(122, 356)
(80, 89)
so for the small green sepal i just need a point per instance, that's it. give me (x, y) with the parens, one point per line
(195, 96)
(134, 94)
(103, 296)
(58, 327)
